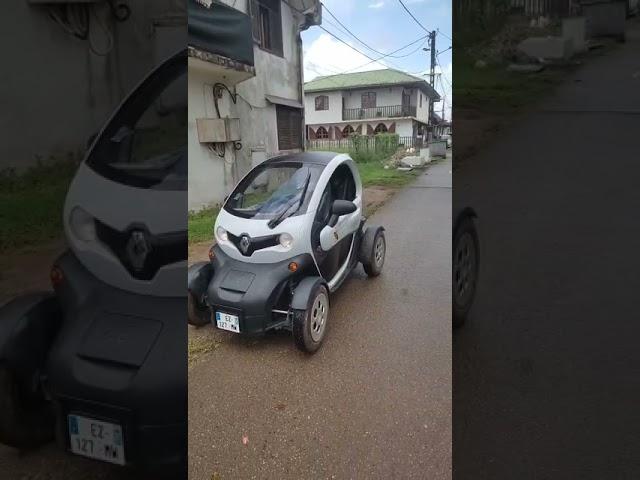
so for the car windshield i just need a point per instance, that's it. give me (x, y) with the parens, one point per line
(273, 191)
(145, 144)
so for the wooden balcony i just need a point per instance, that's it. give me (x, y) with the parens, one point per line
(390, 111)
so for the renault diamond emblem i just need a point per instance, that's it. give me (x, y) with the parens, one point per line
(244, 243)
(137, 249)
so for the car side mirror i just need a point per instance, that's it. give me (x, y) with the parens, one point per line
(339, 208)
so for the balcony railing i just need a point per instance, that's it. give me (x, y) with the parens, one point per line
(389, 111)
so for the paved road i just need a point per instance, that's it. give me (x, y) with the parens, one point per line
(375, 401)
(541, 372)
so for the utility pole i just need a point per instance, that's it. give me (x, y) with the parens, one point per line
(432, 73)
(432, 79)
(444, 98)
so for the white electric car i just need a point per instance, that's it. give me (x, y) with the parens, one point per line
(99, 363)
(286, 237)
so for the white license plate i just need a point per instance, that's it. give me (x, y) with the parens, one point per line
(226, 321)
(96, 439)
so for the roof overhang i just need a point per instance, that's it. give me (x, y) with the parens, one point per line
(283, 101)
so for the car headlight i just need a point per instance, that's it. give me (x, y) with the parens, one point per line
(221, 233)
(82, 225)
(286, 240)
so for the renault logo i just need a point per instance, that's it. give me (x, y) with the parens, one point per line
(137, 249)
(244, 243)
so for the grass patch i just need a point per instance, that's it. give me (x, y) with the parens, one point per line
(494, 89)
(374, 174)
(200, 345)
(31, 203)
(201, 224)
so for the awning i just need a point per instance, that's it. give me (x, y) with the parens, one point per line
(283, 101)
(221, 30)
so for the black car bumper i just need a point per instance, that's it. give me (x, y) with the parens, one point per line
(253, 290)
(121, 358)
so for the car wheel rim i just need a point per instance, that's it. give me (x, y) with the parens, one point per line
(379, 251)
(464, 272)
(318, 316)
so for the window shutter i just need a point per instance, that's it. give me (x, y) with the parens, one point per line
(275, 19)
(254, 10)
(289, 122)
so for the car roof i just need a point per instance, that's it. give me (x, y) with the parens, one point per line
(317, 158)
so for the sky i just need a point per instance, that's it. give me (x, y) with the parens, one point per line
(384, 26)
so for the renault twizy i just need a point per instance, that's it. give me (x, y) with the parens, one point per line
(286, 237)
(100, 363)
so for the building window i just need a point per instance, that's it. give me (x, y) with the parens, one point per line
(369, 100)
(347, 131)
(322, 133)
(420, 100)
(322, 102)
(267, 25)
(289, 122)
(380, 128)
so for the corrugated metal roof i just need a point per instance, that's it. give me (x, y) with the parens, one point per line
(373, 78)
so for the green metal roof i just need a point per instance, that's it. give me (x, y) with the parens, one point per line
(372, 78)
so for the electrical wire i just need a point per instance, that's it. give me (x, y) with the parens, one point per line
(107, 32)
(412, 16)
(442, 71)
(384, 56)
(355, 36)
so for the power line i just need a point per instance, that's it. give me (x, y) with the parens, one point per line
(350, 46)
(412, 16)
(443, 74)
(384, 56)
(349, 31)
(444, 35)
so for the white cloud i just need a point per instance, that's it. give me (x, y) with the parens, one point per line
(327, 56)
(376, 5)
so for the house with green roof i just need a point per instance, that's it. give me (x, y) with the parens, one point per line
(367, 103)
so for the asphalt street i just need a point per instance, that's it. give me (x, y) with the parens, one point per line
(546, 378)
(375, 401)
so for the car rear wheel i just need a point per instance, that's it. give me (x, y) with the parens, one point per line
(373, 251)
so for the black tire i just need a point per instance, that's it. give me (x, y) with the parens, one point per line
(373, 241)
(466, 262)
(197, 313)
(305, 333)
(27, 420)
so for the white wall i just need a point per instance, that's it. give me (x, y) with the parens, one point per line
(210, 168)
(68, 92)
(277, 76)
(334, 114)
(422, 113)
(404, 127)
(385, 96)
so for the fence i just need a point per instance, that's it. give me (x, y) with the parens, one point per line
(390, 111)
(536, 8)
(371, 143)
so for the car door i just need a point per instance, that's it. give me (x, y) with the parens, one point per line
(333, 242)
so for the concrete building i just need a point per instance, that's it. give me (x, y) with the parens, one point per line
(367, 103)
(68, 65)
(245, 89)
